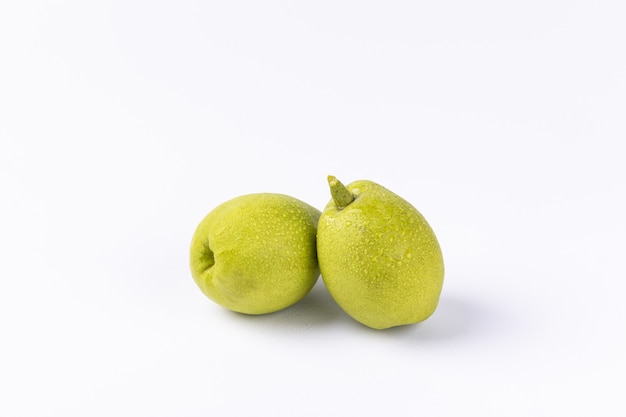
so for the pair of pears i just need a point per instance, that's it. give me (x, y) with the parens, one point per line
(378, 257)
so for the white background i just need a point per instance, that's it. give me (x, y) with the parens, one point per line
(122, 123)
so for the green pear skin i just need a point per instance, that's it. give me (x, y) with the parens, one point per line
(256, 254)
(379, 258)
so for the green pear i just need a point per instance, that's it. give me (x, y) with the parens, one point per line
(379, 258)
(256, 254)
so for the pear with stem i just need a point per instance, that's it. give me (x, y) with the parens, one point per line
(379, 258)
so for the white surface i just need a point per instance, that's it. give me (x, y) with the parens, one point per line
(123, 123)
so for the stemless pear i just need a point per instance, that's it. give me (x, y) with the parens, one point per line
(379, 258)
(256, 253)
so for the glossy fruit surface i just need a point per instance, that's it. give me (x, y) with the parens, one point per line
(256, 253)
(379, 258)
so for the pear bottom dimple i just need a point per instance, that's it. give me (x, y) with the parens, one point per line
(256, 253)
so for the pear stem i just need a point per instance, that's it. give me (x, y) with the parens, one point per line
(341, 195)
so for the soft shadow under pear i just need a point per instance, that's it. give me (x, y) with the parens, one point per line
(317, 308)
